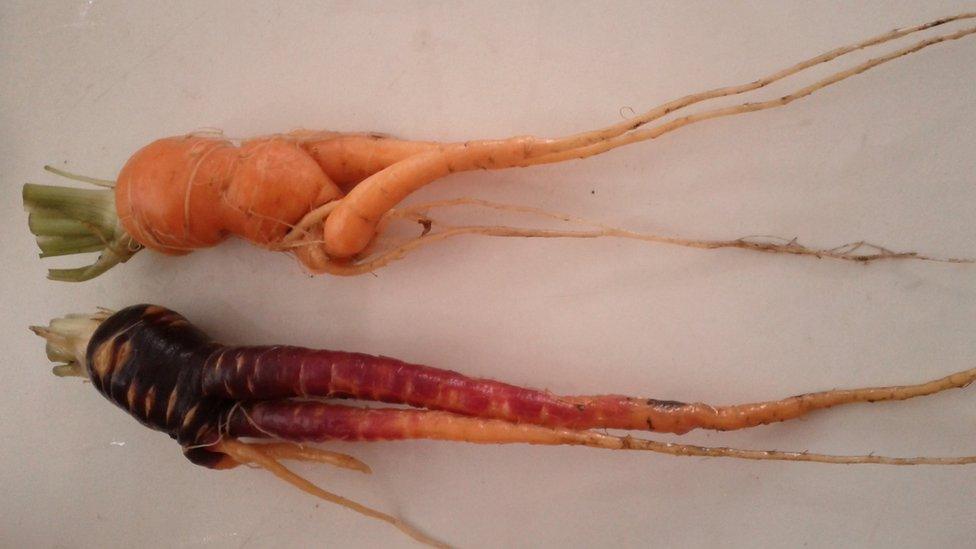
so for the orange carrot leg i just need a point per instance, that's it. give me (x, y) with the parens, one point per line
(353, 224)
(679, 417)
(317, 421)
(253, 373)
(351, 158)
(297, 452)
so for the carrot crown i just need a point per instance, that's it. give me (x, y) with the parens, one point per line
(68, 220)
(67, 341)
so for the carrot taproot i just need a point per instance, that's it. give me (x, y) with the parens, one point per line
(280, 372)
(324, 196)
(169, 375)
(321, 422)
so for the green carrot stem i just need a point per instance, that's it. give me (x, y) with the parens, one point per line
(68, 221)
(83, 178)
(42, 223)
(86, 205)
(110, 257)
(52, 246)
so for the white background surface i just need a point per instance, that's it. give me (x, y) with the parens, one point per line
(887, 157)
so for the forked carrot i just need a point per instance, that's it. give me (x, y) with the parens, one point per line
(324, 196)
(170, 376)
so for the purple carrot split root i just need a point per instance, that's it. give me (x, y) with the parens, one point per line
(172, 377)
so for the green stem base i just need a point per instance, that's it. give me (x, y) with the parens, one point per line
(68, 221)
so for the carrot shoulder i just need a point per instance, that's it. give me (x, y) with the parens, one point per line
(181, 193)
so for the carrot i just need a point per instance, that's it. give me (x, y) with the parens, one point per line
(172, 377)
(281, 372)
(221, 189)
(324, 196)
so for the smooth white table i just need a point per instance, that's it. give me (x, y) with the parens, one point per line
(886, 157)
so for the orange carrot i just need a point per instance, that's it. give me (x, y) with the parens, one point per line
(324, 196)
(181, 193)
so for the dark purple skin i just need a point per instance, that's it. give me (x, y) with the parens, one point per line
(278, 372)
(148, 360)
(172, 377)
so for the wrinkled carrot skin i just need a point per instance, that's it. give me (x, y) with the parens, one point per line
(130, 360)
(182, 193)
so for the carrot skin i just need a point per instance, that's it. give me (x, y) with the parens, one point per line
(350, 228)
(182, 193)
(349, 158)
(130, 360)
(262, 373)
(320, 422)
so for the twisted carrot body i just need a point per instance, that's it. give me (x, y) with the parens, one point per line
(182, 193)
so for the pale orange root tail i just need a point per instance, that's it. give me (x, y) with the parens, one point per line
(351, 226)
(264, 456)
(750, 415)
(655, 132)
(630, 443)
(681, 417)
(386, 424)
(316, 261)
(297, 452)
(592, 137)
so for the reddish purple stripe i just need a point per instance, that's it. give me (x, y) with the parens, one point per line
(317, 422)
(262, 373)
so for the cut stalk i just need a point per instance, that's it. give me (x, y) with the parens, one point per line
(68, 221)
(42, 223)
(67, 341)
(52, 246)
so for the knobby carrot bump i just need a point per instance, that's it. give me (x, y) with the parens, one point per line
(324, 197)
(172, 377)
